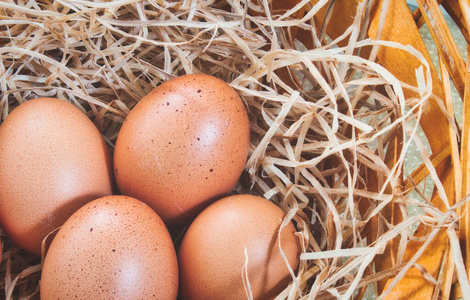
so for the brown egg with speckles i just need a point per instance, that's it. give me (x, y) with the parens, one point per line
(53, 160)
(234, 242)
(114, 247)
(183, 146)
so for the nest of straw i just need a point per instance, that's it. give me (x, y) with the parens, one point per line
(336, 92)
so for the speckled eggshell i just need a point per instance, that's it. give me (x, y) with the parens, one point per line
(53, 160)
(212, 254)
(115, 247)
(182, 146)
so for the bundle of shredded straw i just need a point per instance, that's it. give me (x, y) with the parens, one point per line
(336, 92)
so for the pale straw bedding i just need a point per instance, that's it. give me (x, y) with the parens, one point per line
(313, 146)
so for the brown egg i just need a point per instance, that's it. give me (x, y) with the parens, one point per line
(53, 160)
(183, 146)
(212, 255)
(115, 247)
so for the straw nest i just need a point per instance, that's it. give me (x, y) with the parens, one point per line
(336, 92)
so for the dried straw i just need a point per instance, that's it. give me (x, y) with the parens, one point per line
(325, 118)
